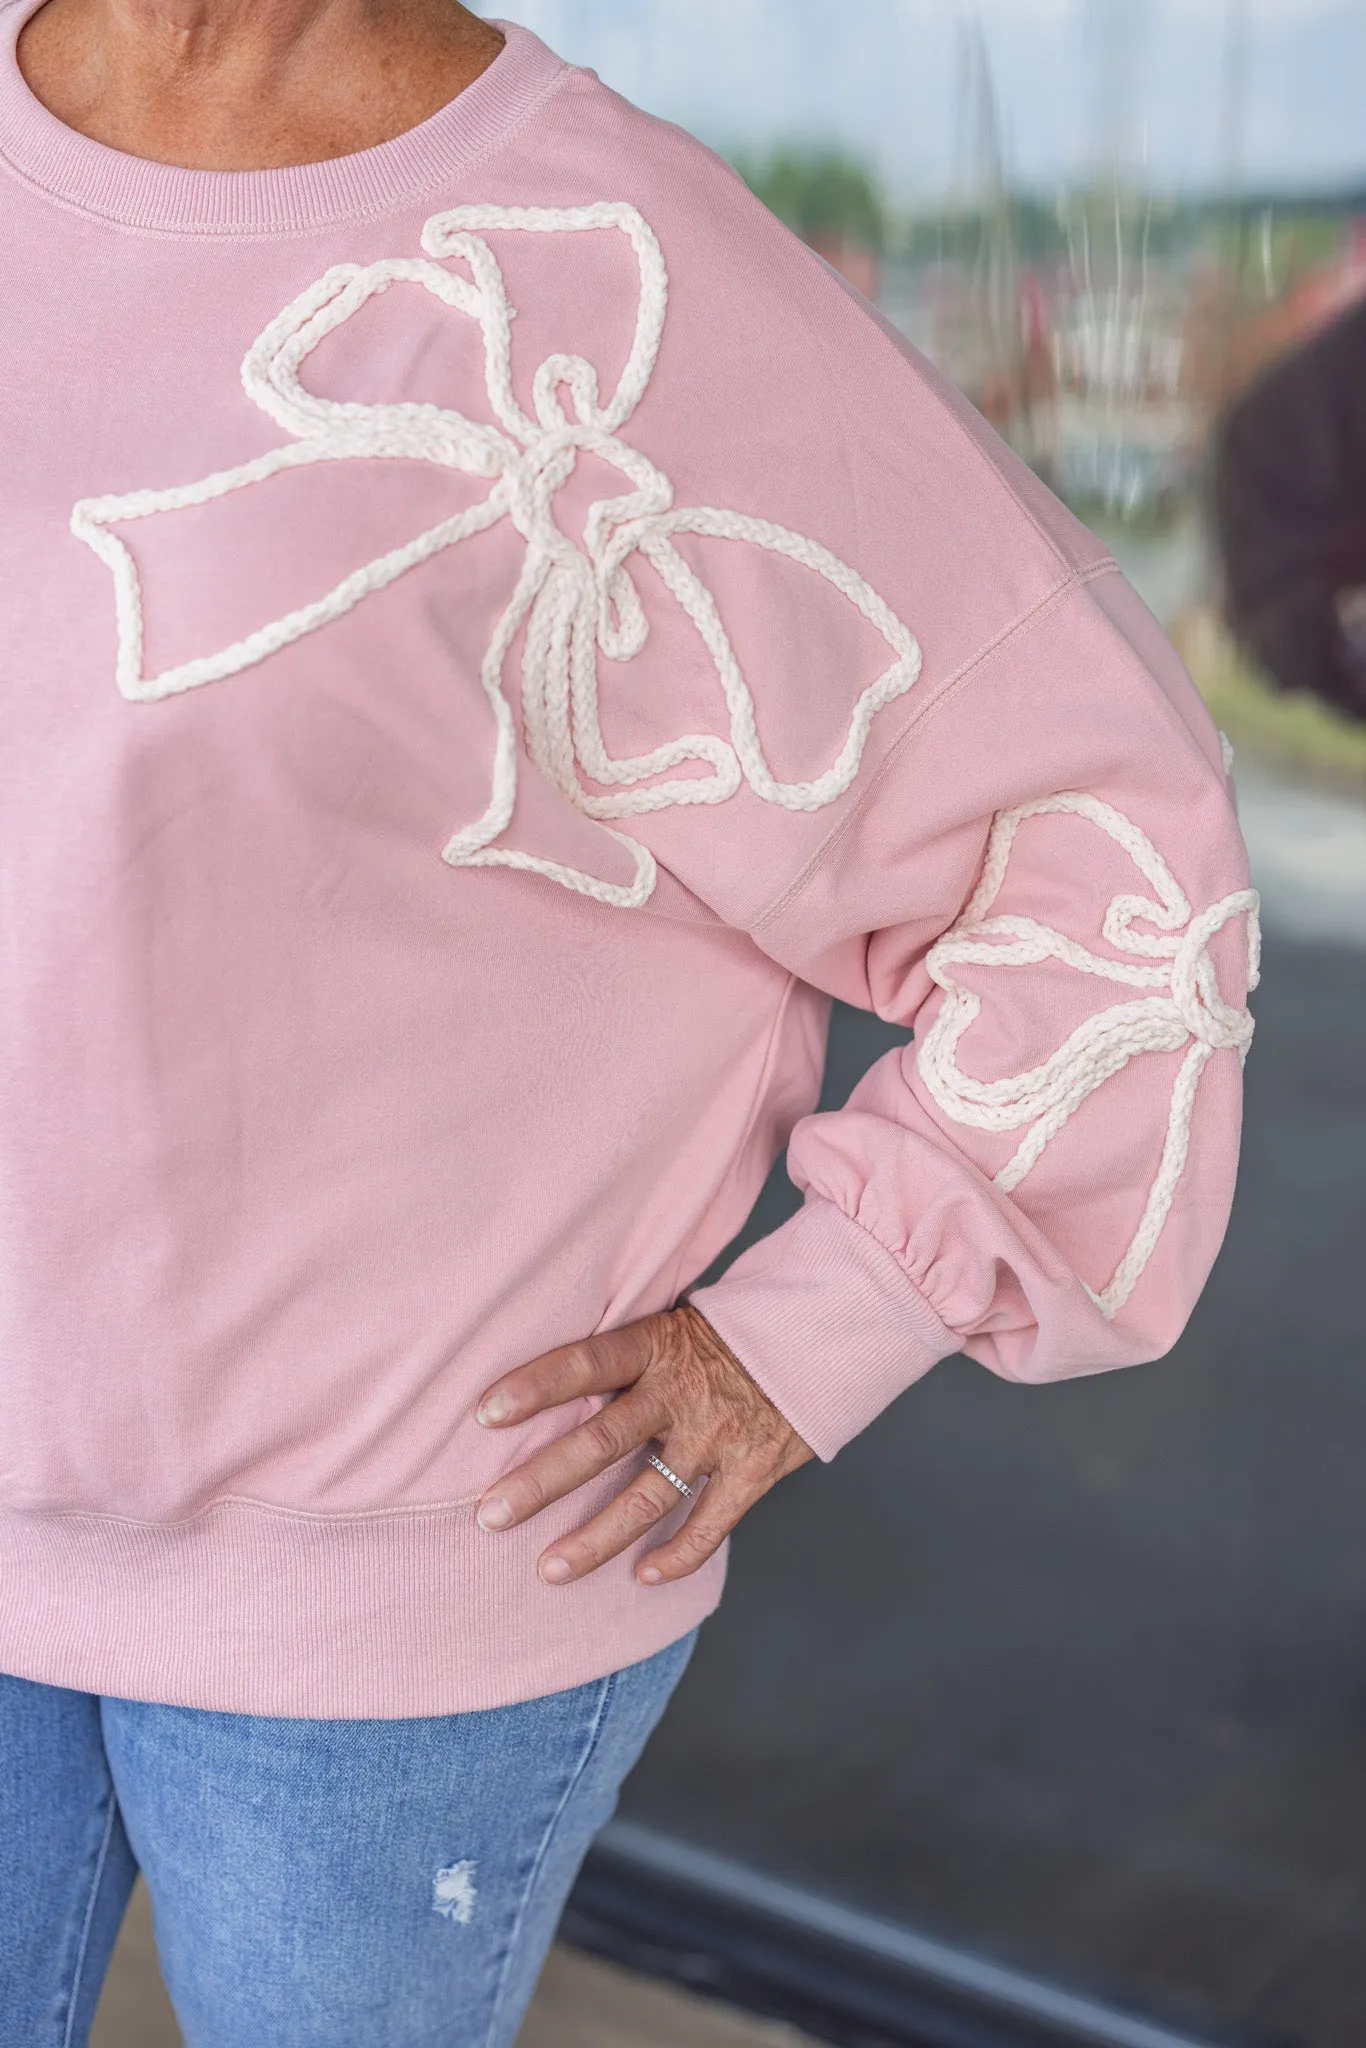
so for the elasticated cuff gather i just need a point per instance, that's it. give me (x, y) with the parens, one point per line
(827, 1322)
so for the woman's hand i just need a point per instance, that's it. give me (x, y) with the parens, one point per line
(689, 1395)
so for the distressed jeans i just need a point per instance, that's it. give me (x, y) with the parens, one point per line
(314, 1884)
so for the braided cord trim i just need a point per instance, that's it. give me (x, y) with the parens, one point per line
(577, 601)
(1185, 1008)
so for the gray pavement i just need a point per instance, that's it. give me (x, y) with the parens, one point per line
(1308, 852)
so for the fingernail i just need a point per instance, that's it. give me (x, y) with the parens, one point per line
(649, 1575)
(496, 1408)
(555, 1570)
(495, 1514)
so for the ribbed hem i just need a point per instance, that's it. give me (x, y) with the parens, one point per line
(135, 192)
(823, 1317)
(255, 1610)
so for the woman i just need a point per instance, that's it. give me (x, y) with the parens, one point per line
(412, 450)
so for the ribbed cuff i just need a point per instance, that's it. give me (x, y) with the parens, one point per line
(826, 1321)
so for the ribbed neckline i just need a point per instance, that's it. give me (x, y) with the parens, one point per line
(136, 192)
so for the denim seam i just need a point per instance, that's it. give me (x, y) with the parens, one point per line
(78, 1971)
(543, 1850)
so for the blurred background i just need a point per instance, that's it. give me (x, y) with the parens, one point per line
(1050, 1706)
(1040, 1717)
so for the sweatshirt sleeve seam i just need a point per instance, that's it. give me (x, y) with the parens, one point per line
(938, 386)
(920, 716)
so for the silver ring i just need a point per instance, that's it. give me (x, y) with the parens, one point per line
(671, 1476)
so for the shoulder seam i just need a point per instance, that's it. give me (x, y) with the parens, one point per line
(919, 717)
(891, 337)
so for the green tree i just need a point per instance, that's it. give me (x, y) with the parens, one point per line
(820, 193)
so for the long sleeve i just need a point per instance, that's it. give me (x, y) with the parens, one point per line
(1046, 879)
(475, 670)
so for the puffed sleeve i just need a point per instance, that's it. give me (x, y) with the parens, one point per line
(1045, 878)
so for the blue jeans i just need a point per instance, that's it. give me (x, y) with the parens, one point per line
(314, 1884)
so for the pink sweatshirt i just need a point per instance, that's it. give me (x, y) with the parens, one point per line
(495, 636)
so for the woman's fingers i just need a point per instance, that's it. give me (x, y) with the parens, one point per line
(688, 1392)
(596, 1445)
(596, 1365)
(634, 1512)
(726, 1501)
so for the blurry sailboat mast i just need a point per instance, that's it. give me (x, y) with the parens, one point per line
(1122, 426)
(990, 328)
(1233, 100)
(998, 272)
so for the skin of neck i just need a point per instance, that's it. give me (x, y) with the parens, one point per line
(245, 85)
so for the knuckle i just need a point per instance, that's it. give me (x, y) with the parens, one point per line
(668, 1344)
(660, 1334)
(529, 1494)
(699, 1543)
(641, 1506)
(585, 1549)
(603, 1434)
(751, 1464)
(581, 1362)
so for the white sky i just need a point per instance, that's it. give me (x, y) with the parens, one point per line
(881, 75)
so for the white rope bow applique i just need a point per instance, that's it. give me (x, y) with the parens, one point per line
(1185, 1008)
(576, 599)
